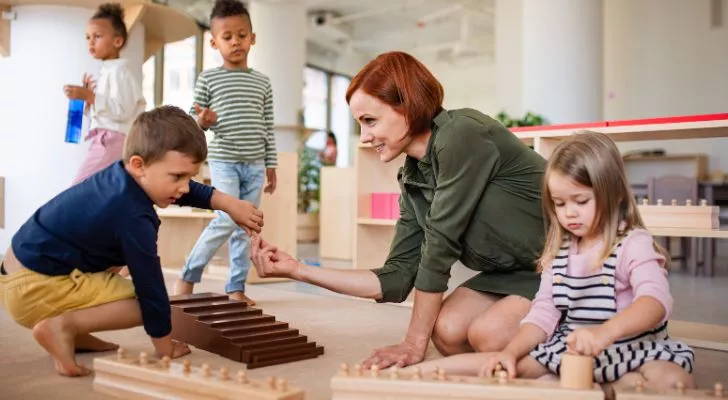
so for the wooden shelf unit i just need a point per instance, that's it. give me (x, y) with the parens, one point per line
(373, 236)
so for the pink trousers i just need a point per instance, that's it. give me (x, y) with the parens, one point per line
(106, 148)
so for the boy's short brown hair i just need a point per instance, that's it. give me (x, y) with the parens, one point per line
(163, 129)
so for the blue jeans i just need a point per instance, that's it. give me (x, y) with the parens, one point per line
(242, 180)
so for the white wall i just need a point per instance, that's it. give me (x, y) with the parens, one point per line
(34, 158)
(662, 58)
(468, 82)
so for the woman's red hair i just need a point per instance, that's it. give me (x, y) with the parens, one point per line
(405, 84)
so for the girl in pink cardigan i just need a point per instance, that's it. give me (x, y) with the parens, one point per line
(604, 289)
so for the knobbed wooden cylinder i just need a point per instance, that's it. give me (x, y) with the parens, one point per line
(577, 372)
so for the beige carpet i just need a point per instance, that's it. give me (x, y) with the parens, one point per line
(348, 329)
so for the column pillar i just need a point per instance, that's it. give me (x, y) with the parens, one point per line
(34, 159)
(561, 63)
(280, 53)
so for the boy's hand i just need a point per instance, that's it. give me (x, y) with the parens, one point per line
(270, 175)
(588, 341)
(205, 117)
(247, 216)
(497, 361)
(179, 349)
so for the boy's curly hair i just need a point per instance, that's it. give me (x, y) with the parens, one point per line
(113, 12)
(228, 8)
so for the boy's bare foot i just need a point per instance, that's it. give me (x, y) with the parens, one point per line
(57, 339)
(240, 296)
(88, 343)
(183, 287)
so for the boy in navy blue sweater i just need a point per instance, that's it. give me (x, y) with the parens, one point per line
(59, 281)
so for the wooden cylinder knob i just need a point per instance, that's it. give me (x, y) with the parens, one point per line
(344, 368)
(502, 376)
(645, 201)
(272, 382)
(417, 374)
(357, 369)
(120, 353)
(206, 370)
(639, 386)
(441, 375)
(703, 202)
(673, 202)
(242, 376)
(224, 374)
(659, 202)
(165, 362)
(577, 372)
(688, 202)
(143, 358)
(394, 373)
(282, 385)
(186, 366)
(718, 390)
(680, 387)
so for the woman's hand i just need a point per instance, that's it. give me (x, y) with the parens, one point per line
(401, 355)
(269, 261)
(588, 341)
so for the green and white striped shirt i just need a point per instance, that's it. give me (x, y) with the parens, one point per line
(243, 101)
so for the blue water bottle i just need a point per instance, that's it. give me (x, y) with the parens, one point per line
(75, 121)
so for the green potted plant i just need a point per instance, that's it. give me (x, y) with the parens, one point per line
(530, 119)
(309, 190)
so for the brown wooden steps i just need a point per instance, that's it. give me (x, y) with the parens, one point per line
(234, 330)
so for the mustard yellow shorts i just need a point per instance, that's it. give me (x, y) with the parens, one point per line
(30, 297)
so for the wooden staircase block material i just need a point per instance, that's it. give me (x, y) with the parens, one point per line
(234, 330)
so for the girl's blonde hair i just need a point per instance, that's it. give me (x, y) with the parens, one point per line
(591, 159)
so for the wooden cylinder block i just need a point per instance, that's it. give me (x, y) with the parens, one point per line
(577, 372)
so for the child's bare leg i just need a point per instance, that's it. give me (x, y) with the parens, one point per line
(529, 368)
(90, 343)
(459, 364)
(240, 296)
(665, 375)
(181, 286)
(57, 335)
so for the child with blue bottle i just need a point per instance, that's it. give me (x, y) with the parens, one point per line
(115, 99)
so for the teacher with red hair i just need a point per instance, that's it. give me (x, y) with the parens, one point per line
(470, 191)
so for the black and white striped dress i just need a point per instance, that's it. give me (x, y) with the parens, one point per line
(591, 300)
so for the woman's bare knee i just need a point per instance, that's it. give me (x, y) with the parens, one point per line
(460, 309)
(450, 334)
(493, 329)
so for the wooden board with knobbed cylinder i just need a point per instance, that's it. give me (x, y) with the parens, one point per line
(128, 377)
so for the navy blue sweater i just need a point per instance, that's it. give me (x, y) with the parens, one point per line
(105, 221)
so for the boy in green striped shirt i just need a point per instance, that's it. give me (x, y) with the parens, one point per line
(236, 103)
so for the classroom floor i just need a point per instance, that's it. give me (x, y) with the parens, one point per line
(347, 328)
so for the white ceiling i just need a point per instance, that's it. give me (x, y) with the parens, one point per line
(446, 29)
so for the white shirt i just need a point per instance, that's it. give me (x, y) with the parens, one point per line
(119, 98)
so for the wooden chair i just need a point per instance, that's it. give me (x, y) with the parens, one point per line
(680, 188)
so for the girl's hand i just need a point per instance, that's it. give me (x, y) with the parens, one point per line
(588, 341)
(78, 93)
(495, 361)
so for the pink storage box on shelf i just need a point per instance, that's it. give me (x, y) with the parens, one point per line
(385, 206)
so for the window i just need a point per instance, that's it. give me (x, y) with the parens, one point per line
(211, 58)
(325, 108)
(179, 57)
(148, 79)
(315, 99)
